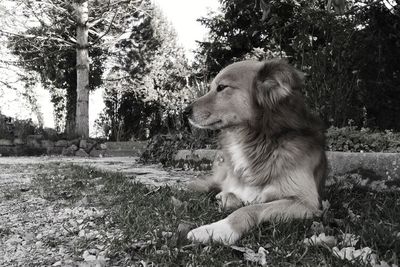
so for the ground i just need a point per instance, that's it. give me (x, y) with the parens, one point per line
(117, 212)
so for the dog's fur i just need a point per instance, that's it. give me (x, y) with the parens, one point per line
(273, 148)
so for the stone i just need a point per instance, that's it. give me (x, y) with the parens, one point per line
(74, 147)
(35, 137)
(34, 143)
(68, 151)
(83, 144)
(374, 164)
(18, 142)
(73, 142)
(61, 143)
(103, 146)
(47, 143)
(81, 153)
(6, 142)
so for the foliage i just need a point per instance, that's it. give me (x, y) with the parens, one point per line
(351, 139)
(47, 48)
(147, 78)
(342, 82)
(162, 148)
(11, 128)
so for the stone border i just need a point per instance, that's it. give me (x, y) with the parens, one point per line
(36, 145)
(374, 165)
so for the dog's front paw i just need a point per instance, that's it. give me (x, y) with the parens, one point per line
(220, 231)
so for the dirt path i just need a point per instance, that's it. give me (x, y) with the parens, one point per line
(35, 231)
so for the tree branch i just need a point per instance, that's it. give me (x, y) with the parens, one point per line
(353, 10)
(33, 36)
(107, 31)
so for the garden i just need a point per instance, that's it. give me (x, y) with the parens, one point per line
(117, 195)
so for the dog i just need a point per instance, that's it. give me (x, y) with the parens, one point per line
(272, 146)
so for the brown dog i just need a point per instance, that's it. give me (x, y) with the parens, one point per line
(273, 148)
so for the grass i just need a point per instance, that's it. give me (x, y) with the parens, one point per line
(149, 221)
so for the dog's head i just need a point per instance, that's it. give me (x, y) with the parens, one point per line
(243, 89)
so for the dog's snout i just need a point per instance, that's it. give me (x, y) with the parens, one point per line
(187, 112)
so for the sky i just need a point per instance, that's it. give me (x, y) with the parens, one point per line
(182, 14)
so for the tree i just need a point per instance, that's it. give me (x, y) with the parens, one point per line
(329, 47)
(146, 77)
(82, 68)
(50, 39)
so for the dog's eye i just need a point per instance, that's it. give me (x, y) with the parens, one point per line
(221, 87)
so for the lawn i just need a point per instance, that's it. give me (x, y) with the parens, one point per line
(148, 225)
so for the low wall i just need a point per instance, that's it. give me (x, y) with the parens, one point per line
(374, 165)
(36, 145)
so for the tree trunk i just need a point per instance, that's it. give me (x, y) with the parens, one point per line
(82, 69)
(71, 111)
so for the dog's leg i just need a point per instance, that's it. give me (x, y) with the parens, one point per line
(230, 229)
(209, 183)
(228, 201)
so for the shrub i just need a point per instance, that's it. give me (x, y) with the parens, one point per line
(352, 139)
(162, 148)
(11, 128)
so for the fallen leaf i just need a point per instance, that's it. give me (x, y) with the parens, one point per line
(249, 255)
(352, 254)
(320, 240)
(349, 240)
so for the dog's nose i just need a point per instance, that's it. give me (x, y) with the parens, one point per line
(187, 112)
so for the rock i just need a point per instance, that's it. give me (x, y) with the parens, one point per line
(34, 143)
(81, 153)
(47, 143)
(83, 144)
(6, 142)
(68, 151)
(18, 142)
(37, 137)
(61, 143)
(74, 147)
(102, 146)
(73, 142)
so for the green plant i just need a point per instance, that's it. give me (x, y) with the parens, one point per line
(352, 139)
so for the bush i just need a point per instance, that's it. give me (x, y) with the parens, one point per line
(11, 128)
(162, 148)
(352, 139)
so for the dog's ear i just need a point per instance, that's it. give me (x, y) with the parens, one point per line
(276, 80)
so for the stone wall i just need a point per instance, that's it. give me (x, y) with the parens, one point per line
(374, 165)
(36, 145)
